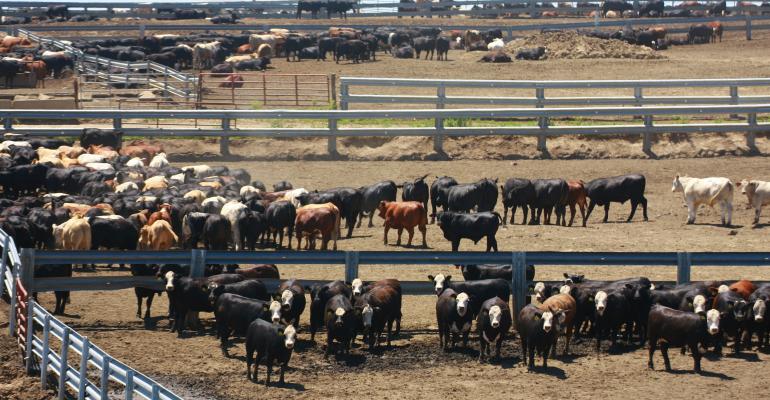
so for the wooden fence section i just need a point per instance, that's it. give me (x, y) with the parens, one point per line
(250, 91)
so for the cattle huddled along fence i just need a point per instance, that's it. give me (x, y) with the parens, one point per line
(38, 334)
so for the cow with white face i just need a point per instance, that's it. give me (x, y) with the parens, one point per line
(275, 312)
(453, 317)
(761, 313)
(757, 193)
(440, 282)
(492, 325)
(358, 287)
(169, 278)
(600, 302)
(544, 291)
(272, 343)
(291, 296)
(676, 328)
(340, 324)
(612, 311)
(538, 330)
(699, 304)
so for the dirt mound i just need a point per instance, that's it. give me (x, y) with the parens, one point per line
(573, 45)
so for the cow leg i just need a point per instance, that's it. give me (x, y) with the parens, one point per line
(400, 231)
(634, 204)
(371, 216)
(606, 212)
(505, 215)
(571, 214)
(455, 245)
(525, 211)
(696, 356)
(729, 207)
(591, 206)
(410, 231)
(757, 211)
(423, 231)
(269, 365)
(360, 219)
(138, 304)
(583, 213)
(531, 350)
(664, 351)
(385, 235)
(491, 243)
(651, 352)
(691, 209)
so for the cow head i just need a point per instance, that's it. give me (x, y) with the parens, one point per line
(600, 302)
(722, 289)
(699, 304)
(748, 188)
(287, 297)
(289, 336)
(540, 292)
(573, 278)
(440, 282)
(566, 289)
(712, 321)
(382, 208)
(759, 308)
(215, 290)
(547, 318)
(495, 314)
(676, 185)
(275, 312)
(169, 277)
(739, 309)
(358, 287)
(462, 303)
(367, 314)
(339, 313)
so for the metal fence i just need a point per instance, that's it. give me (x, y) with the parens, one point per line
(488, 92)
(385, 8)
(243, 90)
(26, 316)
(380, 122)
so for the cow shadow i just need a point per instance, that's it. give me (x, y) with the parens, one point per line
(569, 358)
(620, 348)
(303, 345)
(151, 324)
(507, 362)
(555, 372)
(718, 225)
(467, 351)
(350, 360)
(705, 374)
(750, 357)
(760, 226)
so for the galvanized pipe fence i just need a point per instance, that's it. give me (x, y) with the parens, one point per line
(548, 123)
(36, 331)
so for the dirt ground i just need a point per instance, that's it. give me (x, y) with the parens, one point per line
(415, 367)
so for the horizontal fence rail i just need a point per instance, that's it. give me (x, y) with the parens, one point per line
(746, 23)
(540, 97)
(547, 125)
(198, 259)
(286, 9)
(27, 317)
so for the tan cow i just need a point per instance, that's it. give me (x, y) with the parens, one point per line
(158, 236)
(156, 182)
(757, 193)
(197, 195)
(75, 234)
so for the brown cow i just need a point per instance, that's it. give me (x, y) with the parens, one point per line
(244, 49)
(718, 29)
(403, 215)
(10, 42)
(658, 32)
(232, 81)
(566, 303)
(158, 236)
(163, 214)
(262, 271)
(744, 288)
(39, 71)
(576, 196)
(140, 149)
(323, 219)
(105, 151)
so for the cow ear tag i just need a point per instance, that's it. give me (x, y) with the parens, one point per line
(703, 317)
(591, 299)
(537, 317)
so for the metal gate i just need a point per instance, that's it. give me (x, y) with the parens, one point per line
(250, 91)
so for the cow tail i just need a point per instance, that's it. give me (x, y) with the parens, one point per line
(726, 190)
(499, 217)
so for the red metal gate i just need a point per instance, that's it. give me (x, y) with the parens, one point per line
(21, 315)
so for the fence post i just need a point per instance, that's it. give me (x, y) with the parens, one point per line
(344, 92)
(734, 98)
(647, 144)
(683, 263)
(351, 265)
(541, 121)
(84, 369)
(44, 354)
(30, 333)
(117, 123)
(638, 95)
(104, 383)
(438, 138)
(141, 30)
(331, 144)
(8, 123)
(197, 263)
(129, 384)
(224, 140)
(63, 366)
(28, 269)
(750, 136)
(748, 26)
(518, 281)
(12, 310)
(333, 90)
(3, 264)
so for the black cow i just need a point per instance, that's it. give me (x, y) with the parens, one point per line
(192, 229)
(40, 227)
(255, 64)
(493, 56)
(57, 11)
(612, 311)
(453, 317)
(718, 9)
(252, 225)
(249, 288)
(700, 33)
(532, 54)
(456, 226)
(653, 7)
(309, 53)
(98, 137)
(492, 324)
(271, 342)
(216, 232)
(618, 189)
(281, 215)
(313, 6)
(372, 196)
(319, 295)
(225, 68)
(416, 190)
(475, 272)
(676, 328)
(8, 70)
(350, 205)
(113, 233)
(55, 271)
(517, 193)
(292, 297)
(282, 185)
(538, 330)
(439, 191)
(141, 292)
(225, 19)
(761, 317)
(326, 45)
(426, 44)
(355, 50)
(235, 313)
(735, 313)
(404, 51)
(340, 7)
(481, 195)
(58, 62)
(442, 48)
(550, 194)
(340, 321)
(168, 59)
(616, 5)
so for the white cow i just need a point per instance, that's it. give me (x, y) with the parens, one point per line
(84, 159)
(159, 161)
(200, 171)
(5, 146)
(213, 205)
(496, 44)
(204, 53)
(135, 162)
(257, 39)
(100, 166)
(709, 191)
(126, 186)
(292, 196)
(757, 193)
(248, 191)
(231, 211)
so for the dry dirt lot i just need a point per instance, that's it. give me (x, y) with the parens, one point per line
(415, 367)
